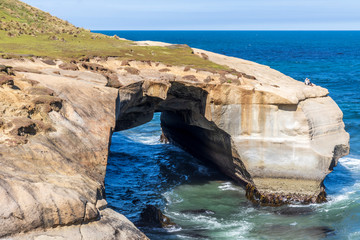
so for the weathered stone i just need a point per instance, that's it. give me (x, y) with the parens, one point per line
(187, 68)
(165, 70)
(113, 81)
(40, 91)
(190, 78)
(69, 66)
(26, 70)
(282, 141)
(49, 62)
(125, 63)
(208, 79)
(132, 70)
(6, 80)
(6, 69)
(94, 67)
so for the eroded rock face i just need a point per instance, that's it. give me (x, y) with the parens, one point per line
(270, 132)
(54, 138)
(260, 127)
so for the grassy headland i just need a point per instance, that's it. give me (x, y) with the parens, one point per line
(28, 31)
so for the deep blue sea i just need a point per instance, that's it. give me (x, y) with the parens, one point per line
(143, 171)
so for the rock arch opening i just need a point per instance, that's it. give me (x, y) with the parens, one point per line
(143, 171)
(252, 136)
(184, 121)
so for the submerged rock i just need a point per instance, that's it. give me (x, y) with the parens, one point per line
(152, 216)
(198, 211)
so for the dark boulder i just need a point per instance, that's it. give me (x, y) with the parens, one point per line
(152, 216)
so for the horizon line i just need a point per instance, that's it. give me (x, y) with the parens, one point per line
(219, 30)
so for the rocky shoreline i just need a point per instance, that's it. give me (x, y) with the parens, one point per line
(260, 127)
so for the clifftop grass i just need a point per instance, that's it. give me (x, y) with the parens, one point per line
(25, 30)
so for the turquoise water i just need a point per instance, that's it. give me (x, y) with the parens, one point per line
(143, 171)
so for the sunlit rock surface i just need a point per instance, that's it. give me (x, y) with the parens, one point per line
(260, 127)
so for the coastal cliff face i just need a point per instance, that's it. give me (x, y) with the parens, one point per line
(260, 127)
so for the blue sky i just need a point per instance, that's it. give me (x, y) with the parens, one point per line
(206, 14)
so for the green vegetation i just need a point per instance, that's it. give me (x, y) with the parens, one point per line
(28, 31)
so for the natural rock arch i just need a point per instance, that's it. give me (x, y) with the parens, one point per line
(259, 126)
(199, 119)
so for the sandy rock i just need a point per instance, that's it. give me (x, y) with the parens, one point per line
(279, 140)
(49, 62)
(113, 81)
(69, 66)
(6, 80)
(132, 70)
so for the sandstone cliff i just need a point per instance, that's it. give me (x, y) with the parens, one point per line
(260, 127)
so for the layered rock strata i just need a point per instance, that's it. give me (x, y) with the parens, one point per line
(260, 127)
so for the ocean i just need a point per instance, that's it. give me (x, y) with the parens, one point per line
(206, 204)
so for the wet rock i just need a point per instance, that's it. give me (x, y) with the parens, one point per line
(163, 139)
(294, 211)
(152, 216)
(277, 231)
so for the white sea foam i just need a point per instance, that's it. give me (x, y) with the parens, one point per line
(228, 186)
(354, 236)
(148, 140)
(350, 163)
(173, 229)
(346, 193)
(172, 198)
